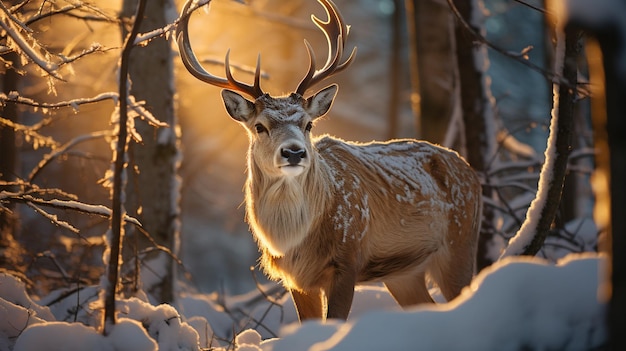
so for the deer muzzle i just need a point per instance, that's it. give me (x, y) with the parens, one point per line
(293, 157)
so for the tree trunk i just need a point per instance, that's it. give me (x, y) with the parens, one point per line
(478, 112)
(433, 66)
(10, 249)
(612, 43)
(395, 69)
(152, 190)
(608, 110)
(563, 133)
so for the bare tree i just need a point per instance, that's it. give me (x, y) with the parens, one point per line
(119, 161)
(153, 190)
(477, 106)
(434, 72)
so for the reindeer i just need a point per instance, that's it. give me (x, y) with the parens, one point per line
(328, 214)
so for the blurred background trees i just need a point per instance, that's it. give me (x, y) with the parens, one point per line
(418, 73)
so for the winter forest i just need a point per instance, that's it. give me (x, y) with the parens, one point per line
(122, 215)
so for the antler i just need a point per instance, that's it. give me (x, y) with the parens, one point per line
(195, 68)
(333, 28)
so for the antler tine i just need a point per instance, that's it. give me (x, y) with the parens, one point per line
(190, 61)
(252, 90)
(333, 28)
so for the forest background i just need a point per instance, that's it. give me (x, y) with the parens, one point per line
(186, 159)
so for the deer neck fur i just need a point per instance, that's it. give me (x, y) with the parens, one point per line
(282, 210)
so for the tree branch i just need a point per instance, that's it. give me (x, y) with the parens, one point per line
(71, 205)
(552, 76)
(565, 125)
(119, 156)
(530, 237)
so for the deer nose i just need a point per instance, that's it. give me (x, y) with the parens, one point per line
(293, 156)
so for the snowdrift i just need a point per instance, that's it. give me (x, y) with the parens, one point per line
(518, 303)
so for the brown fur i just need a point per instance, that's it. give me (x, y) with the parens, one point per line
(379, 223)
(393, 212)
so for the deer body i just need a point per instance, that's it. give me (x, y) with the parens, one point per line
(389, 212)
(328, 214)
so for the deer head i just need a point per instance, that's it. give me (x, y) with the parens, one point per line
(278, 127)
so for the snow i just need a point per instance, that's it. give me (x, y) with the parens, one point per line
(527, 232)
(126, 335)
(517, 303)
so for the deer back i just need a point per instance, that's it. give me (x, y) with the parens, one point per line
(391, 206)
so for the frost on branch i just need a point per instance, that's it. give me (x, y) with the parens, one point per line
(135, 109)
(20, 39)
(33, 197)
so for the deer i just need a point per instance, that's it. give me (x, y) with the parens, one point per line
(329, 214)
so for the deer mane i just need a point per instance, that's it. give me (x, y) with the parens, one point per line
(282, 210)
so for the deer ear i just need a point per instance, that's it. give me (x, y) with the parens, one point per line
(318, 104)
(238, 107)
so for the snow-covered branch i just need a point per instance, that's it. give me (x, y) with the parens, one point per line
(14, 97)
(542, 211)
(62, 149)
(30, 134)
(142, 39)
(21, 36)
(53, 218)
(92, 13)
(136, 109)
(95, 47)
(72, 205)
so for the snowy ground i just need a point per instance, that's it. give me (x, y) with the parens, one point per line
(518, 303)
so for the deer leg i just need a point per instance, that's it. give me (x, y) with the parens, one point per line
(409, 292)
(308, 304)
(455, 271)
(340, 294)
(451, 279)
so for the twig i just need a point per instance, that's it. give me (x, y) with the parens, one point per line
(98, 210)
(550, 75)
(510, 210)
(49, 255)
(117, 214)
(14, 97)
(62, 149)
(53, 218)
(30, 132)
(143, 38)
(19, 6)
(64, 295)
(539, 9)
(67, 10)
(92, 49)
(29, 51)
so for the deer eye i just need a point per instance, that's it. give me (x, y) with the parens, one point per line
(260, 128)
(308, 126)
